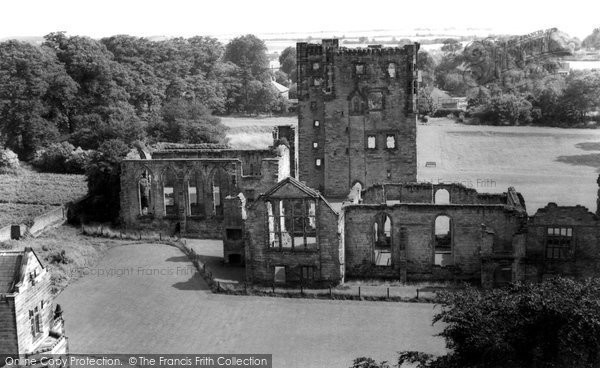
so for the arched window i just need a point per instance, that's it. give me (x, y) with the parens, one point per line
(144, 192)
(221, 188)
(382, 240)
(195, 189)
(443, 241)
(168, 180)
(391, 70)
(356, 105)
(442, 196)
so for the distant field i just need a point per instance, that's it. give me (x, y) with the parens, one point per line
(254, 133)
(29, 194)
(544, 164)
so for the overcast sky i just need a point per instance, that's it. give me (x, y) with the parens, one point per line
(100, 18)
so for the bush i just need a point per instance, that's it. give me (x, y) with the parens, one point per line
(62, 158)
(9, 161)
(547, 325)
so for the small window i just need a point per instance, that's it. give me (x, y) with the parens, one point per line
(313, 105)
(371, 142)
(315, 144)
(279, 275)
(318, 162)
(356, 105)
(316, 82)
(359, 69)
(308, 273)
(376, 100)
(316, 123)
(391, 70)
(316, 66)
(558, 242)
(233, 234)
(390, 141)
(389, 174)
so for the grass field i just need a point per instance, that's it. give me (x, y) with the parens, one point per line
(29, 194)
(149, 299)
(17, 213)
(544, 164)
(41, 188)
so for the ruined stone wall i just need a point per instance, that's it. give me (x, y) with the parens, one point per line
(261, 260)
(341, 106)
(207, 224)
(583, 259)
(413, 238)
(426, 193)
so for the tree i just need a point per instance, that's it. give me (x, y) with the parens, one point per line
(250, 53)
(35, 97)
(287, 62)
(187, 121)
(547, 325)
(593, 40)
(581, 95)
(103, 177)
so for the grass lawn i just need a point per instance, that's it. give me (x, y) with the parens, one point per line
(80, 252)
(16, 213)
(148, 298)
(544, 164)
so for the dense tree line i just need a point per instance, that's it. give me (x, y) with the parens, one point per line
(87, 91)
(505, 87)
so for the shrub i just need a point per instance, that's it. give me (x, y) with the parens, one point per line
(62, 158)
(9, 161)
(547, 325)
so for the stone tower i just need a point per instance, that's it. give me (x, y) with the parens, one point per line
(356, 115)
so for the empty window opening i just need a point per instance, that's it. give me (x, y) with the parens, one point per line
(390, 141)
(235, 258)
(382, 241)
(315, 144)
(359, 69)
(220, 190)
(356, 105)
(317, 123)
(144, 185)
(376, 100)
(502, 275)
(316, 66)
(195, 195)
(442, 196)
(558, 242)
(169, 179)
(371, 142)
(292, 223)
(233, 234)
(279, 275)
(391, 70)
(318, 162)
(443, 241)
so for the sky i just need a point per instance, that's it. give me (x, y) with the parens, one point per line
(218, 18)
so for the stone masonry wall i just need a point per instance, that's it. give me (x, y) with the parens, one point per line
(207, 224)
(329, 83)
(584, 256)
(260, 260)
(413, 238)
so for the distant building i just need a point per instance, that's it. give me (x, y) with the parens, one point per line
(29, 322)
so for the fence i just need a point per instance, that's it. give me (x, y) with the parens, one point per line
(108, 232)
